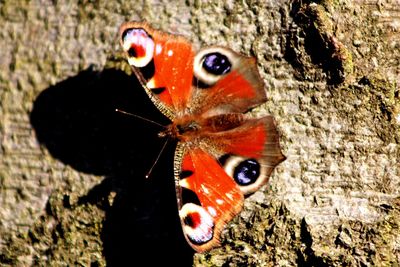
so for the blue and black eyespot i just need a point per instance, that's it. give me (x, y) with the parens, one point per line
(246, 172)
(216, 63)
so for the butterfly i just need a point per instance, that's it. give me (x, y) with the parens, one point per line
(222, 153)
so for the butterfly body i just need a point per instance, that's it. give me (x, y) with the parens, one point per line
(189, 128)
(222, 154)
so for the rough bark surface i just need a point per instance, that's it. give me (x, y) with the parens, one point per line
(72, 186)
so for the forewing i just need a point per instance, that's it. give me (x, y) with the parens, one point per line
(207, 197)
(163, 63)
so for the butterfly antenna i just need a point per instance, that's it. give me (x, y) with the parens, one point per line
(139, 117)
(158, 157)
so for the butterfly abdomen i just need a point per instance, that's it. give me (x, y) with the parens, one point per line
(196, 126)
(223, 122)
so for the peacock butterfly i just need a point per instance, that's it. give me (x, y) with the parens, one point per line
(222, 153)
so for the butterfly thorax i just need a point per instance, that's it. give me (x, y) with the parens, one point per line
(191, 126)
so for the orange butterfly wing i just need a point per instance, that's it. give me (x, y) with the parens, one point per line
(164, 65)
(218, 197)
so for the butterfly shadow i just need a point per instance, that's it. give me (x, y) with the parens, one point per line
(76, 121)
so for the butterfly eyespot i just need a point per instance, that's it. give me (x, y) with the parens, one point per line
(198, 223)
(192, 219)
(213, 63)
(139, 46)
(216, 63)
(246, 172)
